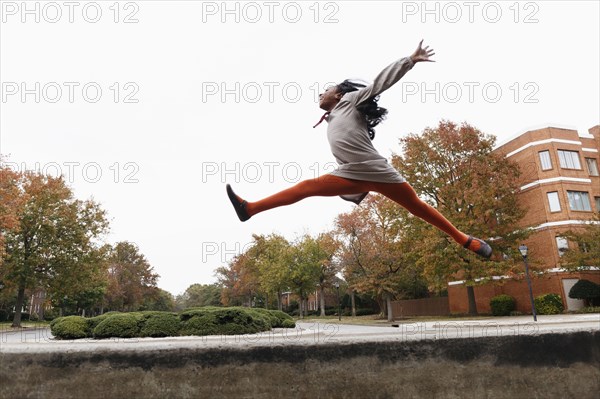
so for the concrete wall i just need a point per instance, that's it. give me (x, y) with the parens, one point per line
(543, 366)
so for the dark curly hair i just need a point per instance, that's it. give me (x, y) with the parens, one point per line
(372, 112)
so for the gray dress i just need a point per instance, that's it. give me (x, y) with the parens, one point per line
(348, 134)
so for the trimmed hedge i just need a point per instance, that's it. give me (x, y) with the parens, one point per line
(70, 327)
(586, 290)
(548, 304)
(195, 321)
(502, 305)
(590, 309)
(227, 321)
(122, 325)
(161, 325)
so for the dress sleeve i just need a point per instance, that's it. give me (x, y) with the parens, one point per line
(386, 79)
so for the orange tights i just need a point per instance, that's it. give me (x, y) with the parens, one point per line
(329, 185)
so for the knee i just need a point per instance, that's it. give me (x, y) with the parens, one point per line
(306, 187)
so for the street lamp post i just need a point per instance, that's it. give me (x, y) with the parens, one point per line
(523, 249)
(337, 286)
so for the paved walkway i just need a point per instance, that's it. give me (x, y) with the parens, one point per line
(32, 340)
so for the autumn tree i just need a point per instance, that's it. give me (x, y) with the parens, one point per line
(376, 253)
(240, 280)
(54, 245)
(585, 252)
(455, 169)
(130, 278)
(11, 202)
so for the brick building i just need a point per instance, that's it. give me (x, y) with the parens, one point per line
(560, 187)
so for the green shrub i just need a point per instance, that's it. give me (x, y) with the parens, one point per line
(586, 290)
(284, 319)
(262, 314)
(589, 309)
(121, 325)
(274, 317)
(94, 321)
(502, 305)
(195, 321)
(548, 304)
(516, 313)
(160, 324)
(214, 320)
(51, 314)
(3, 315)
(288, 323)
(200, 324)
(70, 327)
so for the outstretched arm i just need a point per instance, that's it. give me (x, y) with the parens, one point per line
(422, 54)
(392, 74)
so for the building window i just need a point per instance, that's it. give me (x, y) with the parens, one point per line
(554, 201)
(569, 159)
(592, 166)
(597, 199)
(545, 160)
(562, 244)
(579, 201)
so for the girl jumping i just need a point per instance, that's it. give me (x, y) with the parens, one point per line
(352, 113)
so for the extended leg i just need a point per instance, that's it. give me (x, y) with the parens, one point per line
(324, 186)
(405, 195)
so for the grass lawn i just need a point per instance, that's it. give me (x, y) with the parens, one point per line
(374, 320)
(6, 325)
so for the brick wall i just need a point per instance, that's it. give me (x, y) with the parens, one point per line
(546, 284)
(547, 225)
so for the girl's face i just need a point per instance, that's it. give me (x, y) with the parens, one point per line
(329, 99)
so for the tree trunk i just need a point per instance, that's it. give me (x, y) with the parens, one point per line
(381, 304)
(19, 307)
(279, 300)
(322, 300)
(353, 303)
(472, 304)
(388, 302)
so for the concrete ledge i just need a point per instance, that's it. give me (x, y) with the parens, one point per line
(547, 365)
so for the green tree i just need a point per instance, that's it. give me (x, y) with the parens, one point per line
(159, 300)
(197, 295)
(455, 169)
(271, 255)
(329, 267)
(305, 261)
(54, 245)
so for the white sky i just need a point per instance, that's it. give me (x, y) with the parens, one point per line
(164, 160)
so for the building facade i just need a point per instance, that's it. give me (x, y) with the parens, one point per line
(560, 188)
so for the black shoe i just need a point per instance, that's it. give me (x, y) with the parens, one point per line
(239, 206)
(484, 249)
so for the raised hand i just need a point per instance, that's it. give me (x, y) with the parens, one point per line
(422, 54)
